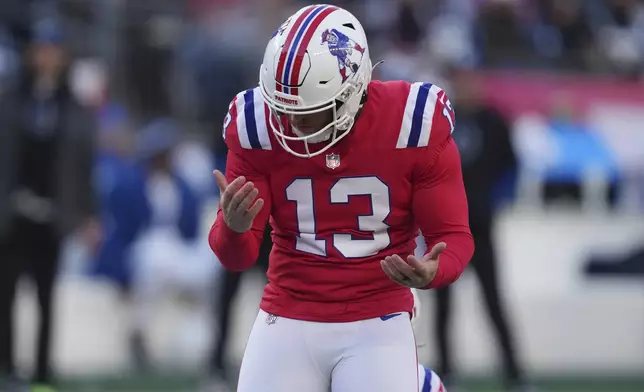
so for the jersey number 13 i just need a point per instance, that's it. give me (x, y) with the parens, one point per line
(300, 191)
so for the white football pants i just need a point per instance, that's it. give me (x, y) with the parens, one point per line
(286, 355)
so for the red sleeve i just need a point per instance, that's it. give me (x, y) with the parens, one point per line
(440, 203)
(238, 252)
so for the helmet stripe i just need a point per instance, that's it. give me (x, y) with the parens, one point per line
(295, 70)
(299, 36)
(295, 45)
(279, 76)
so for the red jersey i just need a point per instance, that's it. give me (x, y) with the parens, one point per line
(335, 216)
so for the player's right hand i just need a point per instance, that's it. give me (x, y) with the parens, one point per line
(236, 201)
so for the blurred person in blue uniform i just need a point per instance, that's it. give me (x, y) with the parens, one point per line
(115, 162)
(579, 152)
(46, 155)
(153, 233)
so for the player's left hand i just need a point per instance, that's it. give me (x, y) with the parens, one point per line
(413, 273)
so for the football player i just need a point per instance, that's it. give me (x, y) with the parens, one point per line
(347, 169)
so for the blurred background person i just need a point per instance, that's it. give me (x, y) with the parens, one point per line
(483, 137)
(402, 57)
(115, 161)
(46, 147)
(152, 245)
(580, 152)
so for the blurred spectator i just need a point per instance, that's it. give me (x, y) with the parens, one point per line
(404, 57)
(621, 35)
(502, 36)
(153, 218)
(483, 137)
(565, 34)
(451, 40)
(581, 158)
(152, 33)
(114, 164)
(46, 148)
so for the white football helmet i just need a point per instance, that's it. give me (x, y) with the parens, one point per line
(317, 60)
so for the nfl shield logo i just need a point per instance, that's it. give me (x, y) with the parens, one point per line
(271, 319)
(333, 161)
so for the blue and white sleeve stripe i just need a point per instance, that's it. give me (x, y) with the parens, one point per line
(418, 116)
(251, 121)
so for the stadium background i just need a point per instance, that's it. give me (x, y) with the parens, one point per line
(136, 60)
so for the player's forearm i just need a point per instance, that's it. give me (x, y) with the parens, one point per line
(236, 252)
(454, 259)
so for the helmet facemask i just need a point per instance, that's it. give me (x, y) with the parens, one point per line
(344, 105)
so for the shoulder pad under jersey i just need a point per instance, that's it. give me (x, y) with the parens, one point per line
(245, 125)
(428, 114)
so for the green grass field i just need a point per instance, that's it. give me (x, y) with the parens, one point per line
(189, 384)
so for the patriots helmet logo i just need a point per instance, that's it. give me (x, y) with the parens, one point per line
(348, 52)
